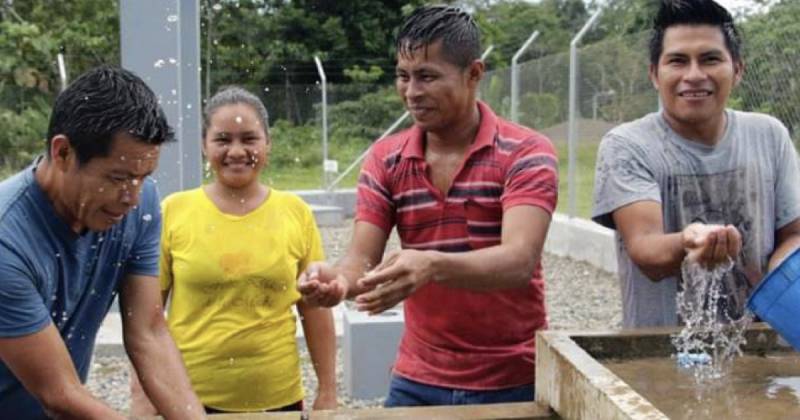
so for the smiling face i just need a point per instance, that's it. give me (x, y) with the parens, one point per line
(236, 145)
(98, 194)
(694, 77)
(437, 93)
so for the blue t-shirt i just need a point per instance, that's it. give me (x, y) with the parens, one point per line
(49, 274)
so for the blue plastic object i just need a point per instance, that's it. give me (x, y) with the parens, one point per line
(776, 299)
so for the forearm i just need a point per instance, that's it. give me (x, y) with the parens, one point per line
(492, 268)
(783, 249)
(321, 340)
(162, 374)
(657, 255)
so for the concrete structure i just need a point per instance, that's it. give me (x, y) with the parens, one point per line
(369, 347)
(170, 65)
(571, 380)
(582, 240)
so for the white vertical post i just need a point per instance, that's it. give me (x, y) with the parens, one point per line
(324, 87)
(62, 71)
(487, 51)
(573, 110)
(515, 76)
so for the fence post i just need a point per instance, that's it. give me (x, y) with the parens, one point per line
(573, 109)
(324, 81)
(515, 75)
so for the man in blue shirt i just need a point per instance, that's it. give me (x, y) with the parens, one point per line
(78, 227)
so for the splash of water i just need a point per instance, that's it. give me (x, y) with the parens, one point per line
(712, 335)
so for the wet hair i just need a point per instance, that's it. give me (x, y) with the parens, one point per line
(234, 95)
(102, 103)
(456, 29)
(693, 12)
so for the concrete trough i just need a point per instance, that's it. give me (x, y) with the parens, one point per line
(572, 380)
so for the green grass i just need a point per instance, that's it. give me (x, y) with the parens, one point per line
(587, 153)
(300, 178)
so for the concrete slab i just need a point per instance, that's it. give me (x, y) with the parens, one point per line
(344, 198)
(327, 215)
(582, 240)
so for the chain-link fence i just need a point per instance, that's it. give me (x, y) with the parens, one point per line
(614, 87)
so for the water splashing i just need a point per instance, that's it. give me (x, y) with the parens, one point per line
(712, 336)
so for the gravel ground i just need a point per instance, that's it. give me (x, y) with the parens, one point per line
(578, 296)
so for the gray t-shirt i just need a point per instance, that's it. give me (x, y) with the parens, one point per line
(750, 179)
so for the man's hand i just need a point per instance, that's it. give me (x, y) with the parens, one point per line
(321, 285)
(711, 245)
(394, 279)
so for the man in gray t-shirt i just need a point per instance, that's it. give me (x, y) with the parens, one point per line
(695, 180)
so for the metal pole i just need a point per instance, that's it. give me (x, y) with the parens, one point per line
(62, 71)
(388, 131)
(573, 109)
(487, 51)
(324, 80)
(515, 75)
(363, 155)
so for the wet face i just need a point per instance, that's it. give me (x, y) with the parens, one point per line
(694, 76)
(438, 94)
(236, 145)
(98, 194)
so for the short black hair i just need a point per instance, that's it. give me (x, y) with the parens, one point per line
(693, 12)
(455, 27)
(102, 103)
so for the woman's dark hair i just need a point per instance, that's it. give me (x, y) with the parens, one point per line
(693, 12)
(102, 103)
(456, 29)
(232, 95)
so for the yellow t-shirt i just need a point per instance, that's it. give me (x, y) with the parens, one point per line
(232, 281)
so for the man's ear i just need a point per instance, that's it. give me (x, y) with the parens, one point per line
(476, 71)
(738, 71)
(61, 151)
(653, 74)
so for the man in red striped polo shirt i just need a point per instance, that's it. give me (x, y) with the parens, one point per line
(471, 196)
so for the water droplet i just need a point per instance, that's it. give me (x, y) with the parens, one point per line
(58, 255)
(172, 18)
(173, 61)
(147, 217)
(217, 7)
(174, 91)
(159, 63)
(266, 89)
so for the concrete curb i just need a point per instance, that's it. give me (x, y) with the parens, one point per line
(582, 240)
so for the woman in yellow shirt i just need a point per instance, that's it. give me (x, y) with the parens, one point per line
(231, 252)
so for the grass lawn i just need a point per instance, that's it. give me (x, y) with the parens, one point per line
(587, 153)
(300, 178)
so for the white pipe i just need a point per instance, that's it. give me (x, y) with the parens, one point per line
(324, 80)
(62, 71)
(515, 75)
(573, 109)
